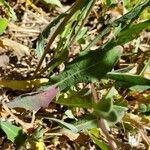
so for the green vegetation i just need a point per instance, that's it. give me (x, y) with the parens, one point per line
(95, 81)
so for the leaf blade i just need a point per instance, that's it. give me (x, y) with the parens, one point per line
(14, 133)
(129, 78)
(88, 67)
(34, 101)
(67, 125)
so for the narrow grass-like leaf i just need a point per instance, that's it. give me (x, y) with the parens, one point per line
(127, 34)
(98, 38)
(131, 32)
(133, 14)
(124, 20)
(69, 35)
(126, 69)
(67, 125)
(82, 35)
(11, 11)
(60, 28)
(139, 88)
(46, 33)
(86, 123)
(14, 133)
(130, 80)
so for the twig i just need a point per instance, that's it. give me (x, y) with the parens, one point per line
(23, 124)
(94, 93)
(26, 126)
(144, 136)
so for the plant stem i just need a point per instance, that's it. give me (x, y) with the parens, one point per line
(145, 67)
(57, 31)
(73, 39)
(102, 125)
(111, 142)
(83, 22)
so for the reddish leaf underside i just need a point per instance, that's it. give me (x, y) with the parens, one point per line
(34, 101)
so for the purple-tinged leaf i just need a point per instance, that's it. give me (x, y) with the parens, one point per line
(35, 100)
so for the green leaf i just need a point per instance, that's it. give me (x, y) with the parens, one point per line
(131, 32)
(112, 92)
(127, 34)
(100, 143)
(86, 122)
(94, 135)
(35, 100)
(120, 112)
(88, 67)
(38, 133)
(128, 79)
(14, 133)
(139, 88)
(11, 11)
(54, 2)
(124, 20)
(76, 99)
(106, 109)
(82, 35)
(2, 1)
(133, 14)
(110, 116)
(46, 33)
(142, 108)
(66, 125)
(3, 25)
(104, 105)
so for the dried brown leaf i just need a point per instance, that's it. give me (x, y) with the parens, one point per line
(4, 61)
(18, 49)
